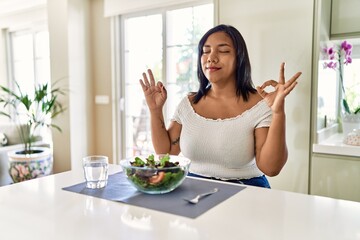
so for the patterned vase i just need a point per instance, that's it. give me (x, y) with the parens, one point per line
(29, 166)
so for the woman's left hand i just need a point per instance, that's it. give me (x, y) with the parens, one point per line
(276, 98)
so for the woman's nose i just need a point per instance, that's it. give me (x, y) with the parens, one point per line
(212, 58)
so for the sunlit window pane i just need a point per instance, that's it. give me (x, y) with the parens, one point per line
(143, 45)
(24, 75)
(144, 39)
(203, 19)
(182, 75)
(42, 71)
(327, 96)
(185, 28)
(30, 59)
(22, 47)
(42, 48)
(179, 26)
(330, 92)
(352, 83)
(143, 50)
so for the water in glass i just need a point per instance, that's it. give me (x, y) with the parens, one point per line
(96, 173)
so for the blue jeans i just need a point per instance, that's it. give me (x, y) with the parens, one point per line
(255, 181)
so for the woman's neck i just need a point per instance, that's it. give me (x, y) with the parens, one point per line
(222, 91)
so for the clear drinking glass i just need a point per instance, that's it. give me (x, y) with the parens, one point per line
(96, 171)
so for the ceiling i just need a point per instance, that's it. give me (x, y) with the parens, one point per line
(9, 7)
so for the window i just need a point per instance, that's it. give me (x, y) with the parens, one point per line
(330, 93)
(327, 103)
(352, 78)
(165, 41)
(30, 58)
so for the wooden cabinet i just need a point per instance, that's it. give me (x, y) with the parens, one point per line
(345, 17)
(335, 176)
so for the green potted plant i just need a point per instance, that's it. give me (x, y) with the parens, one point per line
(31, 113)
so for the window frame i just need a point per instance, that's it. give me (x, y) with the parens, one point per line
(32, 32)
(119, 59)
(32, 29)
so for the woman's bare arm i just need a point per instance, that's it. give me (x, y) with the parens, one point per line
(164, 140)
(270, 146)
(270, 143)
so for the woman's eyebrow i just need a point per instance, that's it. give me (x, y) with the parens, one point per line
(224, 45)
(219, 45)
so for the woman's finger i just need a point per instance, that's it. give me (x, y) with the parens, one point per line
(292, 79)
(160, 85)
(143, 86)
(151, 76)
(290, 88)
(282, 73)
(272, 83)
(162, 88)
(146, 81)
(261, 92)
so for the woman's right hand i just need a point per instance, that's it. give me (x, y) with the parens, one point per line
(155, 94)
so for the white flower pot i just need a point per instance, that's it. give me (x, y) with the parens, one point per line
(29, 166)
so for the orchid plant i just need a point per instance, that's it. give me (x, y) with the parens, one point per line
(337, 57)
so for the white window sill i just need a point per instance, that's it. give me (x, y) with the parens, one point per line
(335, 145)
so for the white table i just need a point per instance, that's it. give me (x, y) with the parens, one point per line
(40, 209)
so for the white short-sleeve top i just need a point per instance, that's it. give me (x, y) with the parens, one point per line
(222, 148)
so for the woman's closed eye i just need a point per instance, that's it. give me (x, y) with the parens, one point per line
(220, 51)
(224, 49)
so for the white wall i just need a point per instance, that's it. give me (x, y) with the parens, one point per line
(71, 61)
(276, 31)
(80, 81)
(58, 34)
(102, 85)
(9, 7)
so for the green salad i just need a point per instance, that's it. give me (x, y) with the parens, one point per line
(155, 175)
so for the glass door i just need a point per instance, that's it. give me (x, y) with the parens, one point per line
(166, 42)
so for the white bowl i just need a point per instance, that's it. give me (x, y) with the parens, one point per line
(156, 180)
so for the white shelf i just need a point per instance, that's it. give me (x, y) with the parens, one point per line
(335, 145)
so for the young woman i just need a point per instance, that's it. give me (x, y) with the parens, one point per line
(230, 130)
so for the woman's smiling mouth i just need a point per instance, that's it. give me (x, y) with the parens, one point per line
(213, 69)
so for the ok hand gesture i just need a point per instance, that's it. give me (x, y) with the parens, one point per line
(276, 98)
(155, 94)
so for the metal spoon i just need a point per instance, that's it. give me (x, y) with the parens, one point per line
(198, 197)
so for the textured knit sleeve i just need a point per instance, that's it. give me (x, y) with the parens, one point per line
(265, 116)
(179, 109)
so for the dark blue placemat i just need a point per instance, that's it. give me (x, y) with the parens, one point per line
(119, 189)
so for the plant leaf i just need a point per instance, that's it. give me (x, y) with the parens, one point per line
(56, 127)
(5, 114)
(357, 110)
(346, 106)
